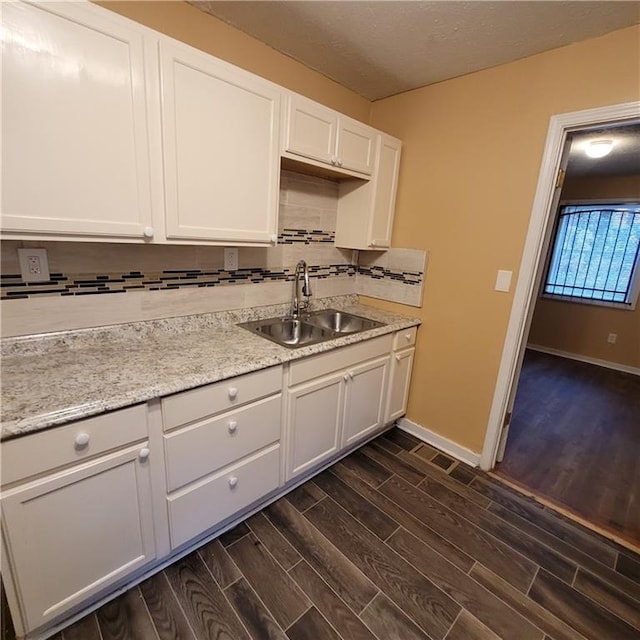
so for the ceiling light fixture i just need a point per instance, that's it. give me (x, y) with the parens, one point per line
(598, 148)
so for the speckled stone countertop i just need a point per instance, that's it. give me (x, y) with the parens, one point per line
(51, 379)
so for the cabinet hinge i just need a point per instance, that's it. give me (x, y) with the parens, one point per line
(560, 178)
(507, 419)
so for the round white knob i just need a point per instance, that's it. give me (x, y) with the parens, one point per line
(339, 162)
(82, 440)
(398, 358)
(274, 238)
(148, 232)
(232, 426)
(345, 377)
(372, 243)
(233, 393)
(143, 454)
(233, 482)
(407, 337)
(351, 375)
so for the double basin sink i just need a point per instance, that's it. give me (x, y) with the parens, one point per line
(310, 328)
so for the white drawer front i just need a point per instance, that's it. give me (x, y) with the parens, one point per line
(405, 338)
(325, 363)
(188, 406)
(44, 451)
(198, 508)
(202, 448)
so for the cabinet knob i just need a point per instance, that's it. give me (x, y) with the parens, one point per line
(143, 454)
(398, 358)
(233, 393)
(82, 440)
(373, 243)
(345, 377)
(350, 375)
(233, 482)
(148, 232)
(407, 337)
(274, 238)
(232, 427)
(339, 162)
(334, 160)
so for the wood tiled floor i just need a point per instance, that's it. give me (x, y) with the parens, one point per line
(574, 440)
(397, 541)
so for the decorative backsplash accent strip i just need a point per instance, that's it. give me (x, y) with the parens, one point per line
(305, 236)
(121, 282)
(380, 273)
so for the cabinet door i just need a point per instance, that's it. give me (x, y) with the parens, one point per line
(72, 534)
(74, 123)
(311, 130)
(365, 399)
(314, 422)
(221, 132)
(356, 146)
(386, 186)
(401, 363)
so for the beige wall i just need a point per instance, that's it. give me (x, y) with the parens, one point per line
(580, 328)
(184, 22)
(471, 156)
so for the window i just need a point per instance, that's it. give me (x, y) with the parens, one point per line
(595, 254)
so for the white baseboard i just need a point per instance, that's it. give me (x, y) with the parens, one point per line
(576, 356)
(440, 442)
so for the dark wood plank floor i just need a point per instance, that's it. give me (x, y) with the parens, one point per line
(575, 440)
(396, 542)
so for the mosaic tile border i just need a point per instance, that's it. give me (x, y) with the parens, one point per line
(306, 236)
(60, 284)
(381, 273)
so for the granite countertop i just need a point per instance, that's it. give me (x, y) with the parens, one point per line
(52, 379)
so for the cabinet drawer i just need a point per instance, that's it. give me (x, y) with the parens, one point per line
(405, 338)
(41, 452)
(198, 450)
(324, 363)
(198, 508)
(188, 406)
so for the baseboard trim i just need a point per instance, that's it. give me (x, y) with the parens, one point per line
(439, 442)
(576, 356)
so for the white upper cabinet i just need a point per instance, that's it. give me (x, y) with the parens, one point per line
(221, 151)
(319, 133)
(74, 124)
(366, 210)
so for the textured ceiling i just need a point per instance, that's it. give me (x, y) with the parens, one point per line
(380, 48)
(624, 158)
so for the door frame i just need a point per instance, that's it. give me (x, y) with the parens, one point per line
(534, 254)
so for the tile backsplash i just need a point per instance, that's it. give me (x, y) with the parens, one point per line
(139, 273)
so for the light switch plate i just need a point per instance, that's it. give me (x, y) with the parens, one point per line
(503, 280)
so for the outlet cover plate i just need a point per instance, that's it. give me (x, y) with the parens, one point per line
(25, 256)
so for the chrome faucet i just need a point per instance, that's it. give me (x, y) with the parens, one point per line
(297, 306)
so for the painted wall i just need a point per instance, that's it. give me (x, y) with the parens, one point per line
(471, 156)
(580, 328)
(201, 30)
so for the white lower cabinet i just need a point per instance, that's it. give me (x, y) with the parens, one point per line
(338, 408)
(72, 533)
(222, 450)
(400, 378)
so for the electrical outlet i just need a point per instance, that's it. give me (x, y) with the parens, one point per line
(34, 266)
(612, 338)
(231, 259)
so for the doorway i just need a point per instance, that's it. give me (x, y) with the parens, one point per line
(539, 239)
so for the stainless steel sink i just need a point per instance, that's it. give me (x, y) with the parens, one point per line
(288, 332)
(311, 329)
(341, 322)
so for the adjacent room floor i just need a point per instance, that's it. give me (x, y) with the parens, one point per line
(395, 542)
(575, 440)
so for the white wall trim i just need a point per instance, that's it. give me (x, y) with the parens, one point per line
(439, 442)
(523, 301)
(576, 356)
